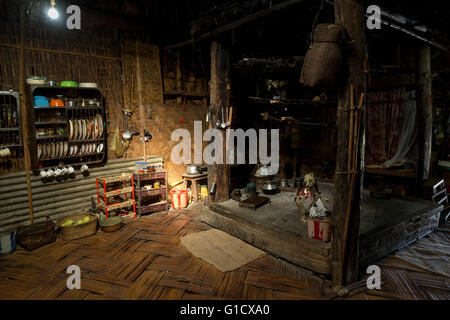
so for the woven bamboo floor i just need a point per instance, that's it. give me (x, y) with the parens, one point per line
(146, 260)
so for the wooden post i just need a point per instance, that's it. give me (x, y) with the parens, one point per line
(424, 112)
(141, 107)
(219, 97)
(179, 76)
(24, 112)
(350, 15)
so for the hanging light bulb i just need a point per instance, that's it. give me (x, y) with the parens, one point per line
(52, 12)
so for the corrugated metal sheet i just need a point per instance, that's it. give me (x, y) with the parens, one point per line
(54, 199)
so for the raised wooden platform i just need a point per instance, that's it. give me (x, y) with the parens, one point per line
(399, 232)
(386, 225)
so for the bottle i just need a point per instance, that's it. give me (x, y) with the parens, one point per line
(9, 118)
(2, 122)
(14, 117)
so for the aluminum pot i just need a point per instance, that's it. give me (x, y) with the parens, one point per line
(192, 169)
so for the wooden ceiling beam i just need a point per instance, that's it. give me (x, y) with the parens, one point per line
(232, 25)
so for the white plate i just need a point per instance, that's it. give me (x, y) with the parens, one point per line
(75, 130)
(36, 82)
(100, 125)
(75, 150)
(53, 150)
(66, 148)
(100, 148)
(47, 150)
(88, 129)
(39, 151)
(85, 129)
(56, 150)
(80, 130)
(87, 85)
(70, 129)
(82, 149)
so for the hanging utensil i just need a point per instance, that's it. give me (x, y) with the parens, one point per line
(127, 134)
(223, 124)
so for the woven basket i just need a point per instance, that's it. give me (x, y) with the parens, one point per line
(323, 60)
(36, 235)
(78, 231)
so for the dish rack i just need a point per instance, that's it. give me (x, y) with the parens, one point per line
(116, 192)
(10, 124)
(73, 134)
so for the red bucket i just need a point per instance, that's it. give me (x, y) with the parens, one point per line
(179, 198)
(319, 229)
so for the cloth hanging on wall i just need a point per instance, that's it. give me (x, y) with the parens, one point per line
(391, 128)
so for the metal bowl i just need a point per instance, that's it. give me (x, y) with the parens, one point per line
(270, 188)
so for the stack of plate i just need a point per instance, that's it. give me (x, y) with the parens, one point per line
(52, 150)
(86, 129)
(87, 85)
(35, 80)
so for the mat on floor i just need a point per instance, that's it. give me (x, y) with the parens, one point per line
(218, 248)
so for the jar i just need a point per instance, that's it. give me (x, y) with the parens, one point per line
(41, 132)
(156, 185)
(151, 169)
(50, 131)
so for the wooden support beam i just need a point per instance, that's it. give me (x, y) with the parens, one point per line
(424, 112)
(231, 26)
(349, 14)
(24, 111)
(219, 98)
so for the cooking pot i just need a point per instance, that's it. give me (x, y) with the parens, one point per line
(270, 188)
(192, 169)
(56, 103)
(71, 103)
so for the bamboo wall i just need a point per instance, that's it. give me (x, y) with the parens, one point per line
(53, 199)
(105, 56)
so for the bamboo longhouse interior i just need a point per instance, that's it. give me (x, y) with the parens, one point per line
(312, 134)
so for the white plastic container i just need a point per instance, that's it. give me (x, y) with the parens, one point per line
(7, 243)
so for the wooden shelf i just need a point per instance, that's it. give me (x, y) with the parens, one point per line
(10, 129)
(87, 140)
(50, 123)
(154, 207)
(60, 136)
(152, 192)
(115, 178)
(116, 206)
(285, 102)
(411, 173)
(186, 94)
(115, 192)
(47, 108)
(162, 191)
(150, 176)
